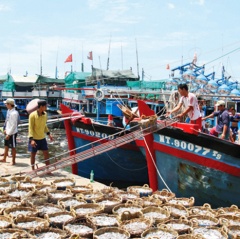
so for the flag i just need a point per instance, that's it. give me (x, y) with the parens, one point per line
(89, 57)
(167, 66)
(69, 59)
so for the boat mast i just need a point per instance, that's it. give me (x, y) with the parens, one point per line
(41, 58)
(109, 52)
(122, 55)
(137, 59)
(56, 70)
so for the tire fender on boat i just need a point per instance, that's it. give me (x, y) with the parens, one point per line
(99, 95)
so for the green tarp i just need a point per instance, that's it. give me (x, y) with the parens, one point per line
(153, 85)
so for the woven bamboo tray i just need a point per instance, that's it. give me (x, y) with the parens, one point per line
(203, 221)
(164, 195)
(15, 211)
(30, 223)
(80, 189)
(87, 209)
(107, 232)
(109, 203)
(177, 211)
(156, 214)
(161, 232)
(215, 232)
(142, 191)
(104, 220)
(136, 226)
(81, 226)
(186, 202)
(5, 222)
(56, 195)
(46, 232)
(181, 226)
(69, 202)
(8, 203)
(62, 184)
(59, 218)
(48, 208)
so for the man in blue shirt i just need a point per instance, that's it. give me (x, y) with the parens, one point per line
(223, 121)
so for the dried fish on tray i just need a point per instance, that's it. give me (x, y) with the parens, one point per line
(181, 225)
(210, 232)
(20, 193)
(54, 196)
(111, 233)
(14, 212)
(136, 226)
(203, 221)
(104, 220)
(229, 220)
(157, 214)
(233, 232)
(13, 233)
(87, 209)
(5, 222)
(162, 232)
(80, 189)
(59, 218)
(62, 184)
(36, 198)
(233, 210)
(202, 210)
(30, 223)
(128, 206)
(142, 191)
(164, 195)
(109, 203)
(29, 184)
(81, 226)
(8, 203)
(69, 202)
(186, 202)
(147, 201)
(126, 196)
(46, 188)
(177, 211)
(90, 196)
(48, 208)
(49, 233)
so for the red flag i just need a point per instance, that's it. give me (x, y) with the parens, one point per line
(69, 59)
(167, 66)
(89, 57)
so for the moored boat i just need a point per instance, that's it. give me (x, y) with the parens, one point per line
(191, 163)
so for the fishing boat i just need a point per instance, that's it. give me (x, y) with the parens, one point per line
(124, 166)
(191, 163)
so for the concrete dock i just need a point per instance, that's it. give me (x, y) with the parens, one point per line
(23, 164)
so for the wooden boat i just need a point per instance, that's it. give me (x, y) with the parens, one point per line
(192, 163)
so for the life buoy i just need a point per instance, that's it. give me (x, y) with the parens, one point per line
(99, 95)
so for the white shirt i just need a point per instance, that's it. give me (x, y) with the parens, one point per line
(191, 100)
(12, 122)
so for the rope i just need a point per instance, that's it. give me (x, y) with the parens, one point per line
(156, 166)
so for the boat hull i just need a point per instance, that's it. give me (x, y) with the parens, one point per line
(124, 165)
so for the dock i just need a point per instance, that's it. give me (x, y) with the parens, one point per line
(23, 163)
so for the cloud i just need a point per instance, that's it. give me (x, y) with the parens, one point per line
(4, 8)
(171, 6)
(198, 2)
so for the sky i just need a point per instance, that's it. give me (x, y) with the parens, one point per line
(137, 34)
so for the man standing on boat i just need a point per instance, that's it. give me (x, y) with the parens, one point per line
(36, 132)
(223, 121)
(190, 102)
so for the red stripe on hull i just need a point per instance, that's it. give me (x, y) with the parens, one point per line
(207, 162)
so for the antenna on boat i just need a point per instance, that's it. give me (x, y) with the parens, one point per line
(41, 58)
(109, 52)
(122, 55)
(82, 65)
(56, 70)
(137, 59)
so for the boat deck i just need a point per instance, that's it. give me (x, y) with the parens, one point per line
(23, 164)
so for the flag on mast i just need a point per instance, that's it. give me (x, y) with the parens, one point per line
(69, 59)
(90, 56)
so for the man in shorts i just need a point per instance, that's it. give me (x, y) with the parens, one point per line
(10, 130)
(36, 133)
